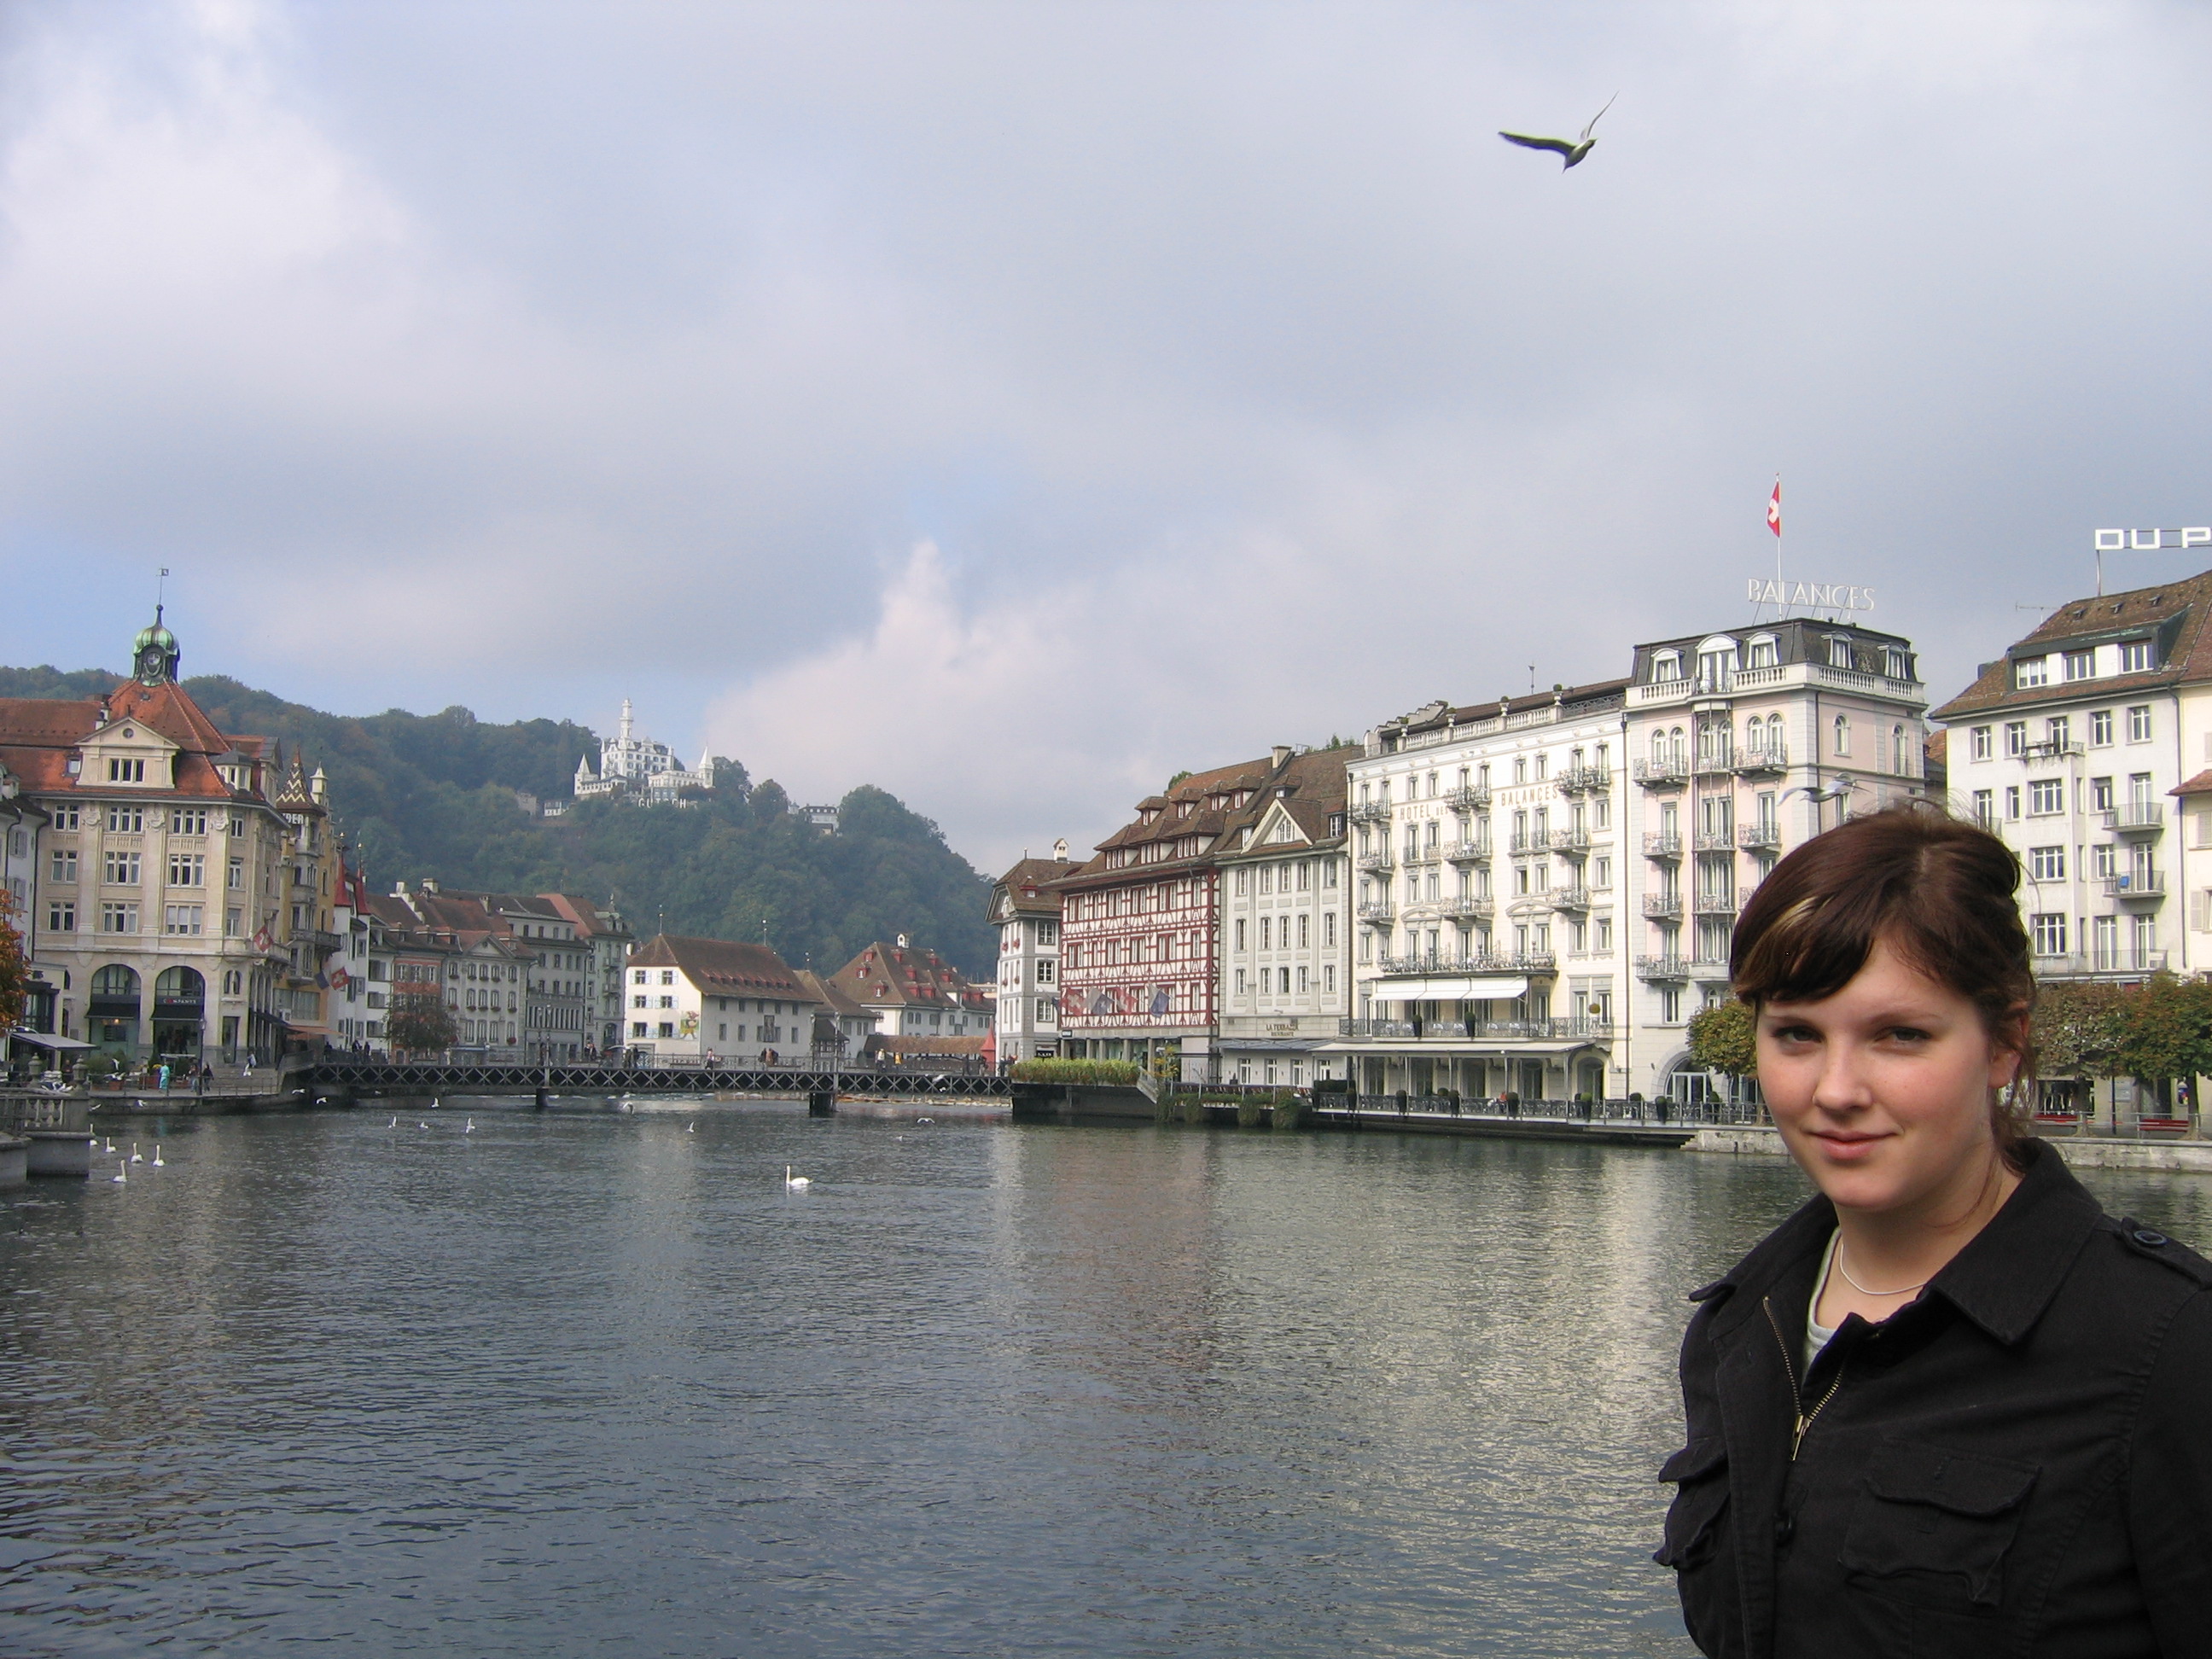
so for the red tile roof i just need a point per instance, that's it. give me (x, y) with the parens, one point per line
(721, 967)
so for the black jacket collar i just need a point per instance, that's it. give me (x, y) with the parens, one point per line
(2001, 1281)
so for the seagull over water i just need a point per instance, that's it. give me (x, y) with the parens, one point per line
(1573, 149)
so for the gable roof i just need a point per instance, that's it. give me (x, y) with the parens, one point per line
(721, 967)
(1026, 889)
(907, 975)
(826, 993)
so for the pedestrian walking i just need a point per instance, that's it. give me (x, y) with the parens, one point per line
(1949, 1406)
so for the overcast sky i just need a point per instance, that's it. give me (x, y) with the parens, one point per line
(1012, 404)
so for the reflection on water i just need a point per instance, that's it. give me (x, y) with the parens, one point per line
(584, 1382)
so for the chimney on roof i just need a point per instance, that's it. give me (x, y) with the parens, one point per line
(399, 890)
(1281, 752)
(902, 941)
(1060, 849)
(429, 886)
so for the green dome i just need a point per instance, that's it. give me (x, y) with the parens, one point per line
(156, 635)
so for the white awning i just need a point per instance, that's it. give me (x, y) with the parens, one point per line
(1488, 988)
(47, 1040)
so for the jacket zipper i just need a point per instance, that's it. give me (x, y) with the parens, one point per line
(1796, 1392)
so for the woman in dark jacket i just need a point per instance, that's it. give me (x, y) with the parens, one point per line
(1949, 1406)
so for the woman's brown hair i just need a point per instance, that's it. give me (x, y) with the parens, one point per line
(1944, 894)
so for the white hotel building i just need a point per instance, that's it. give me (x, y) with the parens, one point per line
(2073, 746)
(1547, 886)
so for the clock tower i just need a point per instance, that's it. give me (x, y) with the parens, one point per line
(153, 653)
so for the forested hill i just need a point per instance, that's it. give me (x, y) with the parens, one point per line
(433, 795)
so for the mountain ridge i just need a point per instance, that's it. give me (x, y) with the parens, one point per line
(433, 796)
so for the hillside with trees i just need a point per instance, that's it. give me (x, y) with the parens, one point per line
(433, 796)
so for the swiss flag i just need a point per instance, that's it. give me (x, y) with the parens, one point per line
(1774, 509)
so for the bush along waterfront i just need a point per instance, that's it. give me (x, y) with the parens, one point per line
(1116, 1073)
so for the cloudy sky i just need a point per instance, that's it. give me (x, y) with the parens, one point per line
(1010, 404)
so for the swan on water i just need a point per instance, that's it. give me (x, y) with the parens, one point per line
(393, 1124)
(690, 1128)
(795, 1183)
(470, 1127)
(433, 1102)
(134, 1158)
(157, 1154)
(122, 1174)
(420, 1124)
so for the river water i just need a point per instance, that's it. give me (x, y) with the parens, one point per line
(587, 1383)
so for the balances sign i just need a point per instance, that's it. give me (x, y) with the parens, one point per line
(1811, 596)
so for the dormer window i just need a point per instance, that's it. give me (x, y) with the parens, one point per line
(1763, 651)
(1839, 651)
(1897, 663)
(2137, 656)
(126, 771)
(2030, 671)
(1666, 666)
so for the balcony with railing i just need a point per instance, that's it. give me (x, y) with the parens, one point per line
(1468, 907)
(1718, 759)
(1759, 837)
(1662, 844)
(1377, 911)
(1375, 864)
(2049, 751)
(1661, 968)
(1709, 968)
(2118, 962)
(1526, 840)
(1371, 812)
(1765, 758)
(1579, 780)
(1572, 839)
(2136, 817)
(1576, 1027)
(2141, 886)
(1664, 906)
(1576, 897)
(1714, 841)
(1671, 772)
(1716, 902)
(1429, 854)
(1467, 852)
(1472, 961)
(1468, 798)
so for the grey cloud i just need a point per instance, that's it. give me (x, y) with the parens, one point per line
(1225, 352)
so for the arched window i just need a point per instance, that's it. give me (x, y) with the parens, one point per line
(115, 982)
(1658, 746)
(180, 985)
(1898, 756)
(1843, 734)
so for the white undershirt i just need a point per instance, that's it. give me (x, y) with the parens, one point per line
(1816, 1333)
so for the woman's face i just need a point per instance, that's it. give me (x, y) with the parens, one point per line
(1881, 1091)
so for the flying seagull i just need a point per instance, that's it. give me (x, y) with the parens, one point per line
(1573, 151)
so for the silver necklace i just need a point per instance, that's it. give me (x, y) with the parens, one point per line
(1861, 1289)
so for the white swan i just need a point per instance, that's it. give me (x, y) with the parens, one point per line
(470, 1127)
(690, 1128)
(122, 1174)
(134, 1158)
(157, 1154)
(795, 1183)
(393, 1124)
(420, 1124)
(433, 1102)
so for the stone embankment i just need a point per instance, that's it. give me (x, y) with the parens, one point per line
(2081, 1152)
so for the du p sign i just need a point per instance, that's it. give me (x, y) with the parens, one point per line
(2131, 541)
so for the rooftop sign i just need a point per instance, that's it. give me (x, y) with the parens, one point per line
(1813, 596)
(2131, 541)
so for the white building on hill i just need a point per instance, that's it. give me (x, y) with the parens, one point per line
(639, 767)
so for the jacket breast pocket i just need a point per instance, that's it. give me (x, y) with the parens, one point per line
(1933, 1526)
